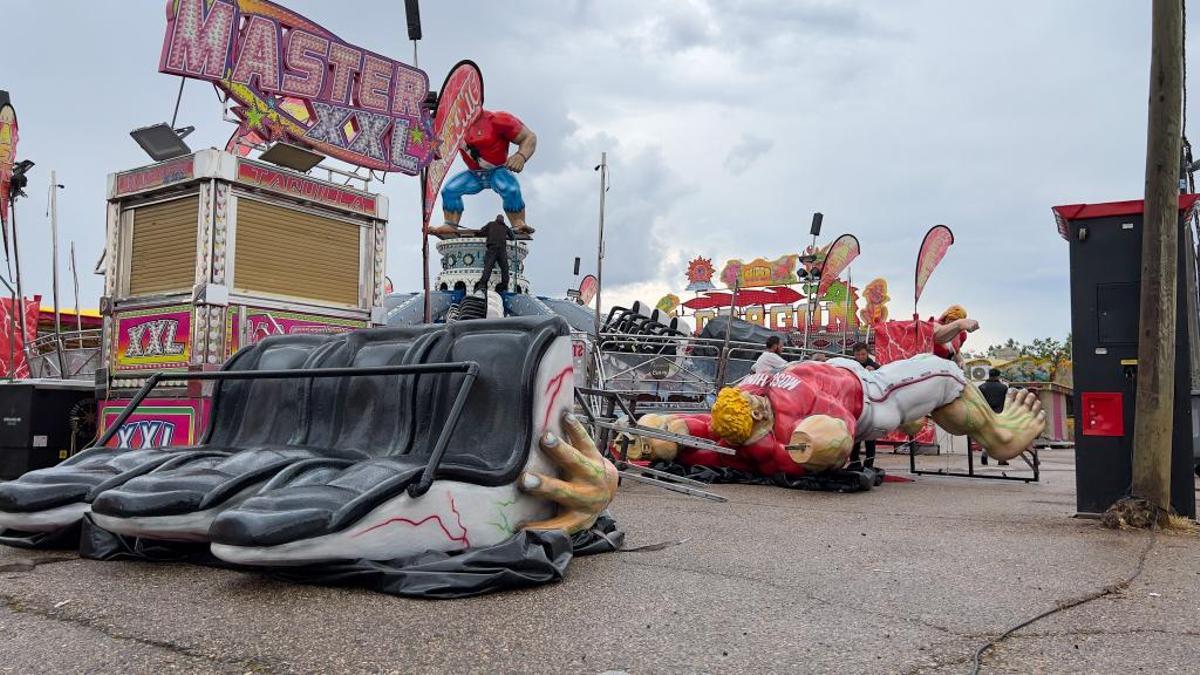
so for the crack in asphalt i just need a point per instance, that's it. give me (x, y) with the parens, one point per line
(810, 596)
(17, 605)
(1067, 604)
(1104, 631)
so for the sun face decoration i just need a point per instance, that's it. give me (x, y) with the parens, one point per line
(700, 269)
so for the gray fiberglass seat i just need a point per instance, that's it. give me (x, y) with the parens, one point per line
(346, 419)
(489, 445)
(53, 498)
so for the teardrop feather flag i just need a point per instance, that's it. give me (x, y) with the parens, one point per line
(459, 103)
(937, 241)
(587, 289)
(8, 157)
(841, 253)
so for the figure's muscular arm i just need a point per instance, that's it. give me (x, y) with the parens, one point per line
(526, 142)
(820, 443)
(945, 332)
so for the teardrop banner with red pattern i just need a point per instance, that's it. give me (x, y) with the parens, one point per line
(841, 253)
(459, 103)
(933, 248)
(13, 360)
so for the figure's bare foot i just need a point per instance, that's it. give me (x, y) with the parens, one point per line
(1016, 427)
(524, 229)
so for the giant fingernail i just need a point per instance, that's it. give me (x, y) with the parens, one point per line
(570, 417)
(530, 481)
(550, 439)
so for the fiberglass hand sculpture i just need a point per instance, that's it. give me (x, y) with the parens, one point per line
(806, 418)
(490, 166)
(588, 484)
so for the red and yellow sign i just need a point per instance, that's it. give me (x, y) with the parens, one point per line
(155, 176)
(291, 184)
(761, 272)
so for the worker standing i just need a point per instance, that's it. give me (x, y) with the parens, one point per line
(498, 235)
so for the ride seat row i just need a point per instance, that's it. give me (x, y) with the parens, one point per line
(306, 456)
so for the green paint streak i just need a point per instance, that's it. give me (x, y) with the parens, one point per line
(503, 523)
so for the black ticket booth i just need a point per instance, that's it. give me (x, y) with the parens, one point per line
(1105, 242)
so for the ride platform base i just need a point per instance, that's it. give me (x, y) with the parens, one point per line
(468, 233)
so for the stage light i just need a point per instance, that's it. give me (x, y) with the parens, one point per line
(291, 157)
(162, 142)
(19, 180)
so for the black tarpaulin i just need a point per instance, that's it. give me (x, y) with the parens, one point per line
(66, 538)
(841, 480)
(528, 558)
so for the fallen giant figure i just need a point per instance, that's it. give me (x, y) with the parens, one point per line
(807, 417)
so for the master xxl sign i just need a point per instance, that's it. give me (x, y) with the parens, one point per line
(294, 79)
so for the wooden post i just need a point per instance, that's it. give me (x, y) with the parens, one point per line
(1160, 235)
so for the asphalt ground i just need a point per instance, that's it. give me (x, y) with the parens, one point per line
(908, 578)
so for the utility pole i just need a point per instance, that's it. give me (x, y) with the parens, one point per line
(1160, 235)
(602, 167)
(52, 209)
(75, 282)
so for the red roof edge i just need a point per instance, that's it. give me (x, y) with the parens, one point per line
(1133, 207)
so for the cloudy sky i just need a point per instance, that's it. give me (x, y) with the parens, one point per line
(726, 122)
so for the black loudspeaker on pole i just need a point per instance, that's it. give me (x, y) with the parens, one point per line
(412, 10)
(576, 265)
(815, 230)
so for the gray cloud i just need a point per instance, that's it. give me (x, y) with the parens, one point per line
(747, 151)
(888, 117)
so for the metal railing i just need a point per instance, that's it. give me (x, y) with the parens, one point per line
(672, 368)
(80, 355)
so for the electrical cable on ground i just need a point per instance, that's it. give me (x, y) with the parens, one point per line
(977, 660)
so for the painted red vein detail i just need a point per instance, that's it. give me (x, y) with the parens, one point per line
(462, 538)
(555, 383)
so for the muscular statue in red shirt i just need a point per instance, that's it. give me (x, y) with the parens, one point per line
(807, 417)
(490, 166)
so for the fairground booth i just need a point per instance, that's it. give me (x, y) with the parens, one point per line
(212, 252)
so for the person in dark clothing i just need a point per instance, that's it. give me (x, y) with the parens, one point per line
(995, 393)
(498, 235)
(862, 354)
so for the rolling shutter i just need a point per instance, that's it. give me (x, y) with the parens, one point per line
(164, 247)
(296, 253)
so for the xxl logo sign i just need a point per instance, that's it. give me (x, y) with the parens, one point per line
(296, 80)
(154, 338)
(145, 434)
